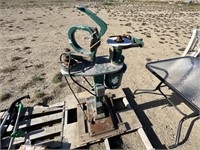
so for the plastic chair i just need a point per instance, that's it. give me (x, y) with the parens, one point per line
(194, 44)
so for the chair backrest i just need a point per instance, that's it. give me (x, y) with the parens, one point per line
(194, 44)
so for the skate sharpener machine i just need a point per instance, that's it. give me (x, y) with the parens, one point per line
(102, 116)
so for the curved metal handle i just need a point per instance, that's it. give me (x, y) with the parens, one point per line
(96, 36)
(99, 21)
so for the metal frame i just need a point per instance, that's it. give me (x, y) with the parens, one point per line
(185, 116)
(163, 83)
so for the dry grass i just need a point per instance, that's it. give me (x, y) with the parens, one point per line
(35, 79)
(5, 96)
(57, 78)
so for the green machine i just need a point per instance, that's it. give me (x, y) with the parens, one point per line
(107, 71)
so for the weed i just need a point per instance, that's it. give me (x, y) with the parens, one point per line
(108, 3)
(37, 78)
(39, 95)
(61, 85)
(32, 82)
(27, 19)
(45, 100)
(5, 96)
(57, 78)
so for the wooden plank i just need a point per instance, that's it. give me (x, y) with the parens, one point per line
(31, 147)
(130, 119)
(71, 135)
(41, 110)
(145, 139)
(37, 121)
(65, 144)
(34, 135)
(44, 132)
(80, 121)
(126, 103)
(117, 93)
(60, 104)
(52, 144)
(107, 145)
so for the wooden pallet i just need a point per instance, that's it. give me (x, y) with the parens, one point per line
(41, 125)
(77, 135)
(64, 126)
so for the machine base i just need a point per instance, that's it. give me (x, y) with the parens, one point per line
(100, 125)
(122, 120)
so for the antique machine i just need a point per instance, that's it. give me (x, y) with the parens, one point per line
(107, 71)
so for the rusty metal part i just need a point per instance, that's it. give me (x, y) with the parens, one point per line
(128, 36)
(119, 39)
(99, 126)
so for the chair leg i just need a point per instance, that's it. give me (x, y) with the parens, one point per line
(168, 99)
(178, 134)
(147, 90)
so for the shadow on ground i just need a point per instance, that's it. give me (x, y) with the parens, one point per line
(147, 125)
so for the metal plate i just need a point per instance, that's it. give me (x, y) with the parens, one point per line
(101, 125)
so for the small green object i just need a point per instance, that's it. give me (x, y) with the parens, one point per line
(138, 41)
(19, 133)
(20, 107)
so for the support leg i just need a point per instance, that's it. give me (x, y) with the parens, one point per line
(147, 90)
(180, 127)
(171, 102)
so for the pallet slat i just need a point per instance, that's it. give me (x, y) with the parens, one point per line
(71, 136)
(41, 110)
(34, 135)
(55, 143)
(80, 120)
(37, 121)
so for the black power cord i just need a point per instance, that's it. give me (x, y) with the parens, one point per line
(69, 67)
(77, 99)
(88, 82)
(70, 61)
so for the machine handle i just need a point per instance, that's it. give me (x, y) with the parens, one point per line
(94, 33)
(99, 21)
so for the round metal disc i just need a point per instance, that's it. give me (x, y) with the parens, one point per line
(112, 41)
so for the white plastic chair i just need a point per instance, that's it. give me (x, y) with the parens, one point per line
(194, 44)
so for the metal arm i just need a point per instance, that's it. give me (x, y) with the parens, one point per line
(95, 35)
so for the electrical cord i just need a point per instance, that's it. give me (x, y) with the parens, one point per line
(81, 85)
(88, 82)
(69, 67)
(77, 99)
(70, 75)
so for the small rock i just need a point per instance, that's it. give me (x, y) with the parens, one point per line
(26, 48)
(128, 24)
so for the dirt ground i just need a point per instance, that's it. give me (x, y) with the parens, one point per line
(33, 35)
